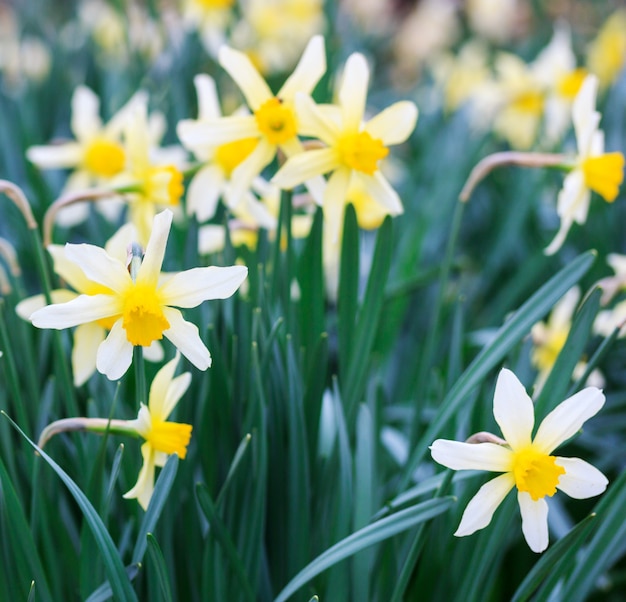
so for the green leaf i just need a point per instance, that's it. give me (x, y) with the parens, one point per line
(510, 333)
(370, 535)
(120, 583)
(156, 557)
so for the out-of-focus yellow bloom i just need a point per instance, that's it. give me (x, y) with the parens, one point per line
(141, 305)
(162, 438)
(273, 122)
(593, 169)
(611, 285)
(354, 147)
(607, 53)
(211, 18)
(88, 336)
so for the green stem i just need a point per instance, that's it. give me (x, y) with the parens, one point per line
(140, 375)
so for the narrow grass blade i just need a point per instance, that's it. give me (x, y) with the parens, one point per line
(120, 583)
(156, 557)
(374, 533)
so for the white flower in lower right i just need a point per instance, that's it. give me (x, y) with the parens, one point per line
(526, 463)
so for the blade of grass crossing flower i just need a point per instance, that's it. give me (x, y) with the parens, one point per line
(222, 535)
(367, 321)
(347, 299)
(120, 584)
(155, 556)
(364, 503)
(372, 534)
(23, 548)
(162, 488)
(554, 562)
(605, 547)
(509, 334)
(560, 377)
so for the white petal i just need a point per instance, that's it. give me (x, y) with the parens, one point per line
(308, 71)
(241, 69)
(381, 191)
(192, 287)
(87, 339)
(208, 103)
(395, 124)
(204, 192)
(56, 156)
(178, 387)
(211, 239)
(154, 352)
(573, 199)
(82, 309)
(481, 507)
(145, 482)
(306, 166)
(471, 456)
(581, 480)
(86, 121)
(194, 134)
(117, 246)
(117, 123)
(25, 308)
(534, 521)
(353, 91)
(150, 268)
(247, 170)
(158, 389)
(513, 410)
(98, 266)
(115, 353)
(185, 337)
(568, 418)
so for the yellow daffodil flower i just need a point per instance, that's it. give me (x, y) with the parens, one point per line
(607, 53)
(526, 463)
(273, 123)
(211, 18)
(354, 147)
(140, 309)
(593, 169)
(162, 438)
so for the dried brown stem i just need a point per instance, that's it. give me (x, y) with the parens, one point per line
(18, 197)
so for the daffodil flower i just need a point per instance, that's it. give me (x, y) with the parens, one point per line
(140, 309)
(162, 438)
(354, 147)
(273, 123)
(526, 463)
(607, 53)
(593, 169)
(87, 337)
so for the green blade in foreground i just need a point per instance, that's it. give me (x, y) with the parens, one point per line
(374, 533)
(120, 584)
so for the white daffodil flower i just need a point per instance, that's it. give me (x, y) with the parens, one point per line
(354, 146)
(526, 463)
(273, 122)
(593, 169)
(163, 438)
(140, 309)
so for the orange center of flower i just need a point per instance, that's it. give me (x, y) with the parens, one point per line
(276, 121)
(230, 155)
(535, 472)
(604, 174)
(163, 185)
(142, 316)
(169, 437)
(361, 152)
(104, 158)
(529, 102)
(569, 85)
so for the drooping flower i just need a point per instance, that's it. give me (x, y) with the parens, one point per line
(593, 169)
(88, 336)
(273, 122)
(162, 438)
(140, 308)
(354, 147)
(526, 463)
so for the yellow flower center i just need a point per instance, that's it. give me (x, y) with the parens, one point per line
(545, 354)
(169, 437)
(361, 152)
(536, 472)
(230, 155)
(276, 121)
(369, 214)
(529, 102)
(569, 85)
(163, 185)
(142, 315)
(104, 158)
(604, 174)
(215, 4)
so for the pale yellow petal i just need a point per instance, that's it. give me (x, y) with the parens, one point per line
(56, 156)
(394, 124)
(86, 122)
(308, 71)
(353, 91)
(144, 487)
(150, 268)
(87, 339)
(115, 353)
(306, 166)
(241, 69)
